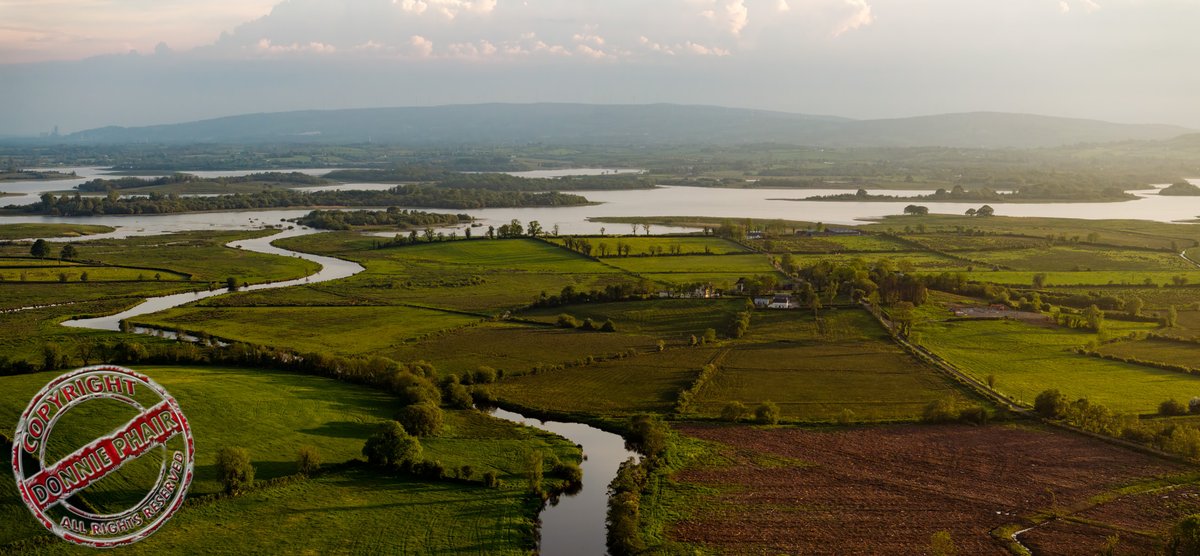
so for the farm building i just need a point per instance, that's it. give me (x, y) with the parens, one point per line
(781, 302)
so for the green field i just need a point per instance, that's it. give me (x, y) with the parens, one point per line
(273, 413)
(669, 319)
(830, 244)
(1027, 359)
(646, 383)
(641, 245)
(26, 231)
(814, 372)
(1066, 258)
(1183, 354)
(74, 273)
(1083, 278)
(919, 260)
(340, 330)
(517, 348)
(1131, 233)
(733, 264)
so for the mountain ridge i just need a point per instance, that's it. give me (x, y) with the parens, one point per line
(637, 124)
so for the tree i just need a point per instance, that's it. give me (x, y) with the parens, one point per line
(391, 445)
(734, 411)
(985, 210)
(40, 249)
(308, 460)
(534, 464)
(1172, 407)
(647, 434)
(633, 227)
(970, 212)
(1039, 280)
(1171, 318)
(646, 227)
(1050, 404)
(535, 229)
(710, 335)
(423, 419)
(916, 210)
(1185, 537)
(68, 252)
(231, 283)
(234, 469)
(1134, 306)
(767, 413)
(1094, 318)
(491, 233)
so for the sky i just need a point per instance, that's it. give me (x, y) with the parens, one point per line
(80, 64)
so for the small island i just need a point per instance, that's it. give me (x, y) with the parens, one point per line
(1026, 194)
(1180, 189)
(14, 174)
(391, 219)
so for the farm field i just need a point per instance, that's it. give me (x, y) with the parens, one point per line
(75, 273)
(1099, 278)
(794, 490)
(1131, 233)
(645, 383)
(225, 407)
(340, 330)
(830, 244)
(920, 260)
(516, 347)
(1066, 258)
(669, 319)
(1140, 520)
(641, 245)
(1027, 359)
(29, 231)
(1184, 354)
(744, 265)
(815, 376)
(384, 514)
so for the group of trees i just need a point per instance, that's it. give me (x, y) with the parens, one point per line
(392, 217)
(621, 291)
(404, 195)
(101, 185)
(449, 179)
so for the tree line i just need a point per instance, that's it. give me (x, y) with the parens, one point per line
(405, 195)
(393, 216)
(292, 178)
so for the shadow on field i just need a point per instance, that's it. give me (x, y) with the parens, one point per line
(342, 429)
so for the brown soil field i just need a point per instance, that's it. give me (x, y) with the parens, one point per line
(1139, 521)
(887, 490)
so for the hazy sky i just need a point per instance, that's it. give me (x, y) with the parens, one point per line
(88, 63)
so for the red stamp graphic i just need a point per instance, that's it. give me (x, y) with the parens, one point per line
(95, 488)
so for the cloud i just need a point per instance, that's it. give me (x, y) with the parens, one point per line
(782, 6)
(732, 15)
(422, 46)
(449, 9)
(1089, 6)
(265, 46)
(861, 17)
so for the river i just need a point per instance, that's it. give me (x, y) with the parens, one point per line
(660, 201)
(571, 524)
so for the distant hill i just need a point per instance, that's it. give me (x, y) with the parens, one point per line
(656, 124)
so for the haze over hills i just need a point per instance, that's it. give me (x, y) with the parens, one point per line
(656, 124)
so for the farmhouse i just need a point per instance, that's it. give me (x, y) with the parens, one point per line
(762, 302)
(781, 302)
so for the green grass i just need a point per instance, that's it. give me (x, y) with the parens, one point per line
(671, 319)
(25, 231)
(734, 264)
(341, 330)
(1027, 359)
(1159, 351)
(74, 273)
(830, 244)
(517, 348)
(920, 260)
(641, 245)
(1132, 233)
(646, 383)
(1083, 278)
(273, 413)
(814, 372)
(354, 512)
(1066, 258)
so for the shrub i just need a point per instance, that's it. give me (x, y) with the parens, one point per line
(569, 471)
(943, 410)
(608, 326)
(491, 480)
(485, 375)
(734, 411)
(588, 325)
(710, 336)
(1194, 405)
(533, 471)
(767, 413)
(1172, 407)
(413, 389)
(308, 460)
(466, 472)
(1185, 536)
(458, 397)
(1050, 404)
(234, 469)
(647, 434)
(941, 544)
(567, 321)
(391, 445)
(422, 419)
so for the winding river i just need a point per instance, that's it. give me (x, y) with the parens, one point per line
(570, 524)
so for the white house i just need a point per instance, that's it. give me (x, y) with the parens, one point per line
(780, 302)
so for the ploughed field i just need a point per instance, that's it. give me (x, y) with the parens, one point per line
(888, 489)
